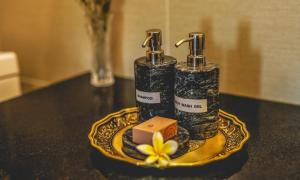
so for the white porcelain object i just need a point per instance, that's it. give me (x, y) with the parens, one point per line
(9, 76)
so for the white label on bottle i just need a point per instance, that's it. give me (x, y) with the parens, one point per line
(191, 105)
(148, 97)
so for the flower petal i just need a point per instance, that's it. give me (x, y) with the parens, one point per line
(166, 157)
(170, 147)
(162, 161)
(151, 159)
(158, 142)
(145, 149)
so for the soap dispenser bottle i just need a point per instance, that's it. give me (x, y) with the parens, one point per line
(197, 90)
(154, 79)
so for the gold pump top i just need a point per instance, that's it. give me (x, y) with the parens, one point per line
(196, 45)
(153, 41)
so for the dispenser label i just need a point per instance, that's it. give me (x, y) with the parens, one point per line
(191, 105)
(148, 97)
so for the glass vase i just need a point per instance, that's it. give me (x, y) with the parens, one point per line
(101, 70)
(98, 17)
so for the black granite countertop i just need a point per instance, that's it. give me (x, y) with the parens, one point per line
(43, 135)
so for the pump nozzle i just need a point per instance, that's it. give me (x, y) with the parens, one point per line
(153, 41)
(182, 41)
(196, 45)
(146, 41)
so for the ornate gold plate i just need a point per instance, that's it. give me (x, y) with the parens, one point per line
(106, 136)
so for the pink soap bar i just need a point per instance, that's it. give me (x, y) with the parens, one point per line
(142, 133)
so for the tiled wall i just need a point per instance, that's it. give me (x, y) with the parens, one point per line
(130, 20)
(256, 43)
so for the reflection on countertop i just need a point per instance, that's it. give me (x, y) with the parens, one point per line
(43, 135)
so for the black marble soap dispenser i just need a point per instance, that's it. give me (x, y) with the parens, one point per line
(197, 90)
(154, 79)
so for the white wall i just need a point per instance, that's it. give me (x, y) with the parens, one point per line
(49, 37)
(255, 42)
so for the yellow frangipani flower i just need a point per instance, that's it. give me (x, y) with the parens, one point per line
(160, 151)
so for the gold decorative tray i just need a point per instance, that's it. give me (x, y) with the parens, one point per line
(106, 136)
